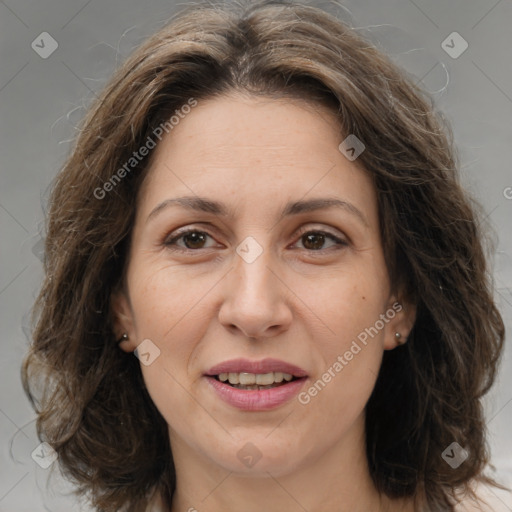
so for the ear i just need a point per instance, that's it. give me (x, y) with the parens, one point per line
(123, 320)
(401, 317)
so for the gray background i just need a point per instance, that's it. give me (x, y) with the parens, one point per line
(42, 99)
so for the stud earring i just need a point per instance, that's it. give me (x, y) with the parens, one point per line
(124, 337)
(399, 339)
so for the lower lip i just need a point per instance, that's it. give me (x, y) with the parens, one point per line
(256, 400)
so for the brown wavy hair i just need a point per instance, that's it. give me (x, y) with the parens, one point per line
(90, 397)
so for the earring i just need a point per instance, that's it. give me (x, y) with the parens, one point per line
(399, 339)
(124, 337)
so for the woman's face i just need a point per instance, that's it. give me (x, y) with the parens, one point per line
(269, 281)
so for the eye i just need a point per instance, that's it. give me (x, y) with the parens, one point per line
(192, 239)
(314, 240)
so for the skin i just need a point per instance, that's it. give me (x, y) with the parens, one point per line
(294, 302)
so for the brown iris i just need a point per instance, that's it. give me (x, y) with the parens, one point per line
(313, 241)
(194, 239)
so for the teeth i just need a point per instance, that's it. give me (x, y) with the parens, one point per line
(247, 379)
(234, 378)
(264, 379)
(252, 380)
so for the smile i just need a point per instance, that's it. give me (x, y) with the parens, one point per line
(256, 385)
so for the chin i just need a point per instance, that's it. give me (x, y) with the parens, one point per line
(258, 455)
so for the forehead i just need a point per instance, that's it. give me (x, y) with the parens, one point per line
(255, 148)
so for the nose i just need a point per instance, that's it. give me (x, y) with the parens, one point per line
(255, 299)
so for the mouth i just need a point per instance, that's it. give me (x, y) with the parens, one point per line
(256, 385)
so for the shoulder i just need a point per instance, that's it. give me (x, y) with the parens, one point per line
(490, 499)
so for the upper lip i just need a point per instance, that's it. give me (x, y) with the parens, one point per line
(257, 367)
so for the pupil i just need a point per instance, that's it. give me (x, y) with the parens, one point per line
(194, 238)
(311, 238)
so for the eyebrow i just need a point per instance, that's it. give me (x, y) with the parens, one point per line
(203, 204)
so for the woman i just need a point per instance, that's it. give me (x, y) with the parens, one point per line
(266, 212)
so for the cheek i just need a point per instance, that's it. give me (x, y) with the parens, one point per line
(350, 305)
(349, 356)
(170, 313)
(347, 304)
(164, 299)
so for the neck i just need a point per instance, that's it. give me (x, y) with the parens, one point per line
(338, 479)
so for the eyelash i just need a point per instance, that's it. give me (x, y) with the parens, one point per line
(171, 243)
